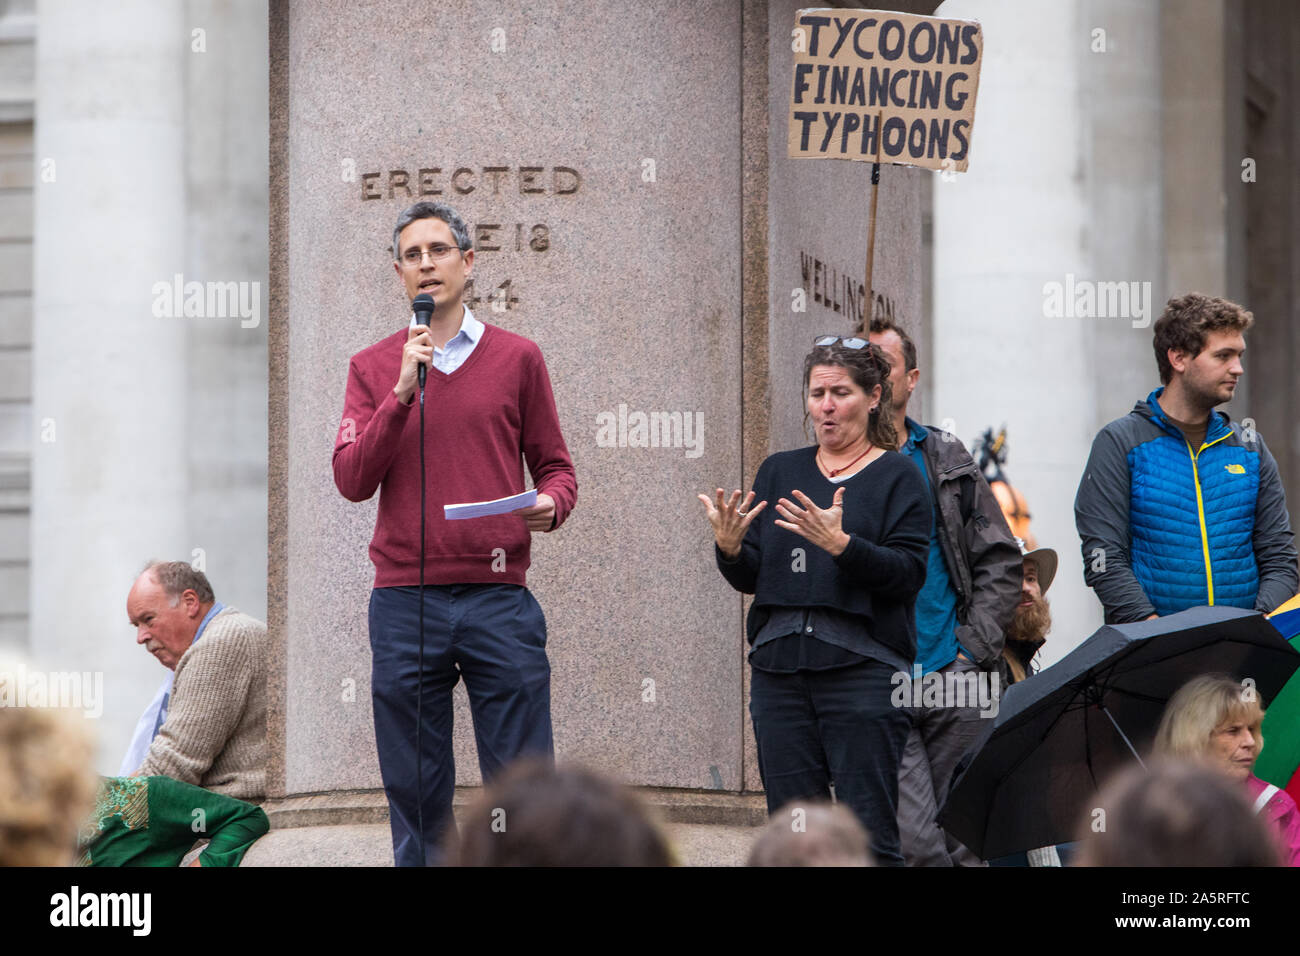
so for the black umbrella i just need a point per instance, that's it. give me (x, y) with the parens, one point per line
(1061, 733)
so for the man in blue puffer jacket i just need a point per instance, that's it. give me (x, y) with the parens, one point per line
(1179, 506)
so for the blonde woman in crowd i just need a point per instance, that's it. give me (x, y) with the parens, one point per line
(1214, 719)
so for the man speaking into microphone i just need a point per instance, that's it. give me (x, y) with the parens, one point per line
(482, 397)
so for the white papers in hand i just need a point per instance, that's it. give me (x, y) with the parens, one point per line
(481, 509)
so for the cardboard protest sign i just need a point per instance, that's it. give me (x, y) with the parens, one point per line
(884, 87)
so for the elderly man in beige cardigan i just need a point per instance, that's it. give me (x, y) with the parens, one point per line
(208, 727)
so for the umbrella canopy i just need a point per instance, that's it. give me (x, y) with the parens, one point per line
(1035, 770)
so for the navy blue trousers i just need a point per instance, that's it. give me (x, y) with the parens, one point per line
(815, 728)
(493, 635)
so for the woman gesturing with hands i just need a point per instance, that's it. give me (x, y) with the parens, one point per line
(834, 570)
(820, 526)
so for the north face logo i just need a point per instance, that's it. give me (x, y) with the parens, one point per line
(1235, 469)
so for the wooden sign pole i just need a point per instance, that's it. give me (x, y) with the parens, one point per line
(869, 310)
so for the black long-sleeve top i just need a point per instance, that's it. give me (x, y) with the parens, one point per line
(887, 515)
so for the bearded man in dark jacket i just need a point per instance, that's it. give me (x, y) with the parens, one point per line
(1027, 631)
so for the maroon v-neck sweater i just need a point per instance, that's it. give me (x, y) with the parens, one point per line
(478, 420)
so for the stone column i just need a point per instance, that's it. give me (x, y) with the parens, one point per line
(609, 235)
(109, 389)
(226, 242)
(1063, 189)
(1203, 83)
(17, 112)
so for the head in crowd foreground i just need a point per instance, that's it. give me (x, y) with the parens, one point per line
(817, 833)
(535, 814)
(1174, 813)
(46, 782)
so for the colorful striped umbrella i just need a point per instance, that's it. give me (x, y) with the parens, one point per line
(1280, 758)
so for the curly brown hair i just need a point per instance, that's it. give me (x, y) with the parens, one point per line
(1187, 320)
(868, 367)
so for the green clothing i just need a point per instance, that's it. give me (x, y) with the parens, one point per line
(155, 821)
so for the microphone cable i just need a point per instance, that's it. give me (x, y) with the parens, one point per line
(423, 306)
(419, 694)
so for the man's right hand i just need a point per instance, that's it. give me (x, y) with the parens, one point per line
(418, 349)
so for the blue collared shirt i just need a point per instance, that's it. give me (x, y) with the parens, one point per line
(453, 355)
(216, 609)
(936, 605)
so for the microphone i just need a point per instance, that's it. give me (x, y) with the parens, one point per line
(423, 306)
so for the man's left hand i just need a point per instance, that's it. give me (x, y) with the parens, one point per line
(541, 516)
(820, 526)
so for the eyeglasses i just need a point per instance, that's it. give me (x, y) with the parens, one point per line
(848, 342)
(414, 256)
